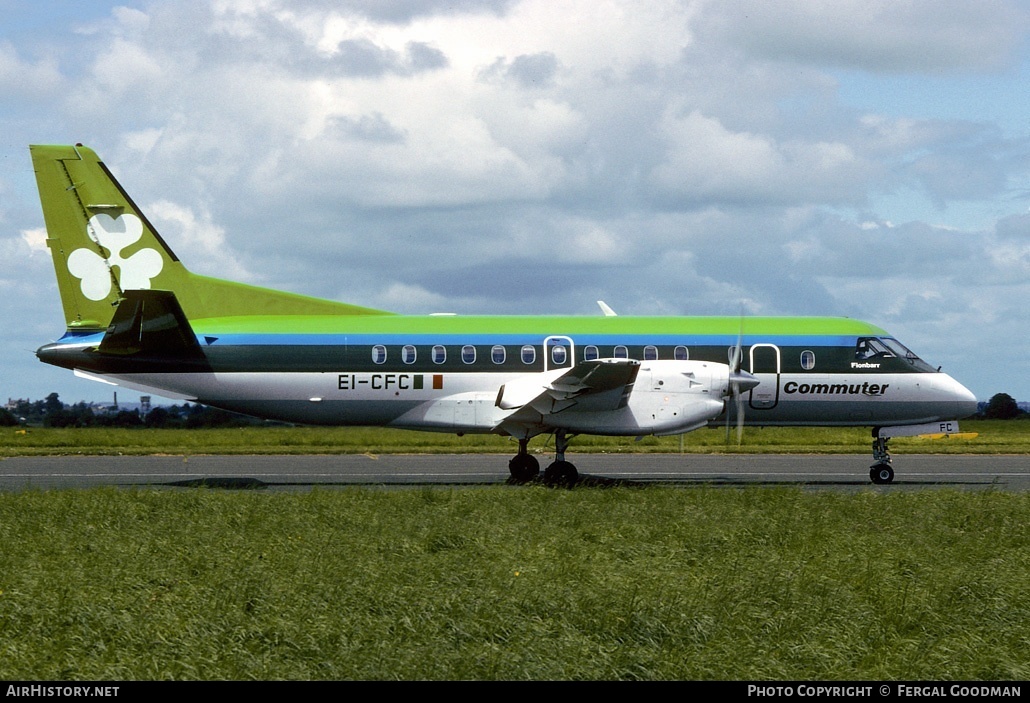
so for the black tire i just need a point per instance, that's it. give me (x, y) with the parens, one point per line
(561, 473)
(523, 467)
(881, 474)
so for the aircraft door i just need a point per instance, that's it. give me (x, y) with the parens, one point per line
(765, 364)
(559, 353)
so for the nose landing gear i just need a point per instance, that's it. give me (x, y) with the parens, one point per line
(881, 472)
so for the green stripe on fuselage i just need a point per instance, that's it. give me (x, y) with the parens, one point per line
(542, 326)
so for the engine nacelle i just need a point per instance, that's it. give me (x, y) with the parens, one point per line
(669, 397)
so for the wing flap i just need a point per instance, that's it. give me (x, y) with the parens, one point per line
(600, 384)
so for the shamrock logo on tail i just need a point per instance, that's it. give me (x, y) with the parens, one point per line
(114, 234)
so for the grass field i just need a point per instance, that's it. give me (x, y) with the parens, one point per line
(995, 437)
(509, 582)
(514, 583)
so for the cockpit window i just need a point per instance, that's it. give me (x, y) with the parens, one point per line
(888, 348)
(871, 348)
(899, 349)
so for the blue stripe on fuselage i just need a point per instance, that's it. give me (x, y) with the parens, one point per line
(293, 339)
(81, 337)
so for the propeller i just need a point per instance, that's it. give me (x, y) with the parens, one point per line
(740, 382)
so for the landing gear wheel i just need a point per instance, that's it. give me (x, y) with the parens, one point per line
(561, 473)
(524, 467)
(881, 473)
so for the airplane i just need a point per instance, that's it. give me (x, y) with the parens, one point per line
(137, 317)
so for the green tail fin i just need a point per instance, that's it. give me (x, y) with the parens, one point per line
(103, 245)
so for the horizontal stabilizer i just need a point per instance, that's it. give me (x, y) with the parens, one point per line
(150, 322)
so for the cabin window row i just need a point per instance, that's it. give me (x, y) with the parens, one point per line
(528, 352)
(679, 353)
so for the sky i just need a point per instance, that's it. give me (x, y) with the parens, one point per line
(859, 158)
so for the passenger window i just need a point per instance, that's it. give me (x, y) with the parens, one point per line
(681, 353)
(650, 353)
(439, 354)
(408, 354)
(558, 354)
(468, 354)
(528, 354)
(808, 360)
(497, 354)
(621, 352)
(379, 354)
(590, 353)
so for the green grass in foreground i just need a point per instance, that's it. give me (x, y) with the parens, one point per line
(514, 583)
(995, 437)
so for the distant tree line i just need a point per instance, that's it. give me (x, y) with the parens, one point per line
(1002, 406)
(51, 412)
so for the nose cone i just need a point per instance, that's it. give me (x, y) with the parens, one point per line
(741, 382)
(961, 401)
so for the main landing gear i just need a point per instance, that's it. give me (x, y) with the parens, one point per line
(881, 472)
(560, 472)
(524, 467)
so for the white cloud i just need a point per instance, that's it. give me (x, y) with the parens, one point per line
(142, 142)
(706, 161)
(24, 79)
(131, 20)
(35, 239)
(875, 35)
(196, 240)
(670, 157)
(125, 65)
(412, 299)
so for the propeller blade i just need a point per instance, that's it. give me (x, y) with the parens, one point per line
(740, 382)
(740, 417)
(734, 356)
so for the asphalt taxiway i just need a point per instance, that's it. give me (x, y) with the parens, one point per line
(299, 472)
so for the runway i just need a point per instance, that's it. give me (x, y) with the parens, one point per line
(300, 472)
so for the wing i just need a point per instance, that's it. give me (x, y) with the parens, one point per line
(597, 385)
